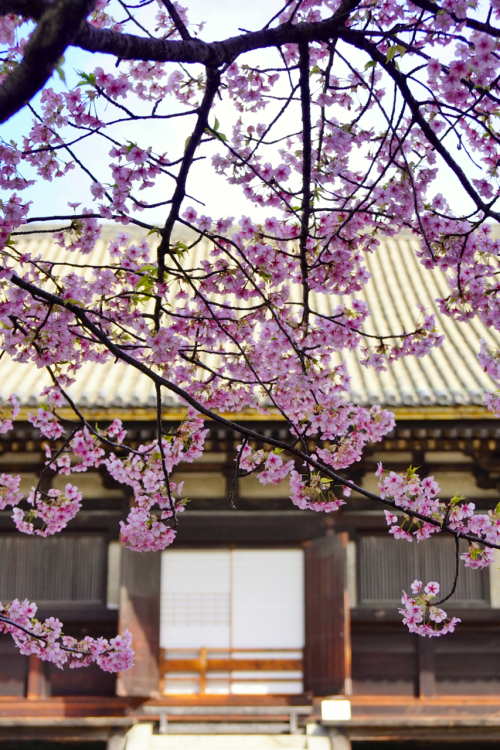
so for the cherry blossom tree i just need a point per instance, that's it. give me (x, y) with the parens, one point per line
(338, 138)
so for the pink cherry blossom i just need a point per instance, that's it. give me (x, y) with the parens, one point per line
(336, 143)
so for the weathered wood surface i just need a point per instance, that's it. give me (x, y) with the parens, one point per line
(231, 665)
(140, 614)
(325, 650)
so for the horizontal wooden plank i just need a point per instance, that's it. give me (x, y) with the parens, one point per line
(233, 651)
(226, 710)
(231, 665)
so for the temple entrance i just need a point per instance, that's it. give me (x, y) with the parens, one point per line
(232, 621)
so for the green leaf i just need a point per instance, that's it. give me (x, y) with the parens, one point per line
(474, 551)
(216, 124)
(147, 267)
(87, 79)
(187, 143)
(370, 64)
(146, 282)
(60, 71)
(391, 52)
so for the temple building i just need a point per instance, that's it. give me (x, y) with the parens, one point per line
(265, 626)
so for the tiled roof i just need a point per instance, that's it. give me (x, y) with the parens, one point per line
(449, 376)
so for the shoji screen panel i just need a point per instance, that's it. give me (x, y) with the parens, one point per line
(195, 599)
(268, 599)
(267, 613)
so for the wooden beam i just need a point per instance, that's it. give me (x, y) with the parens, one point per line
(231, 665)
(178, 413)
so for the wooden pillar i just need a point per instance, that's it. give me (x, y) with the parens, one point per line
(327, 650)
(38, 686)
(140, 613)
(426, 668)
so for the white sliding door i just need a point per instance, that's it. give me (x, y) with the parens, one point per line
(267, 613)
(267, 601)
(224, 610)
(195, 599)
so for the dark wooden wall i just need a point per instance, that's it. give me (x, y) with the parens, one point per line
(66, 576)
(387, 660)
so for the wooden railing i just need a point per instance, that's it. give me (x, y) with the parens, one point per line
(207, 667)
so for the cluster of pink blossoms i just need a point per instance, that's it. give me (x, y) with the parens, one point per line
(46, 641)
(420, 496)
(9, 491)
(8, 412)
(246, 327)
(423, 617)
(271, 467)
(53, 509)
(314, 492)
(147, 472)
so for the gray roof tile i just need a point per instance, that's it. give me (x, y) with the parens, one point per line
(450, 375)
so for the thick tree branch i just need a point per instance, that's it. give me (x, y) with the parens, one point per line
(63, 23)
(215, 54)
(471, 23)
(57, 28)
(33, 9)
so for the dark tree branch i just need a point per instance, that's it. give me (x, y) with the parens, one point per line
(359, 40)
(215, 54)
(33, 9)
(179, 23)
(305, 103)
(31, 634)
(58, 27)
(455, 580)
(471, 23)
(213, 82)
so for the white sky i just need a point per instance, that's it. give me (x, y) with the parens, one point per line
(222, 20)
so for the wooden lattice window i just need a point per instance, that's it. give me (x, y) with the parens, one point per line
(386, 567)
(69, 569)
